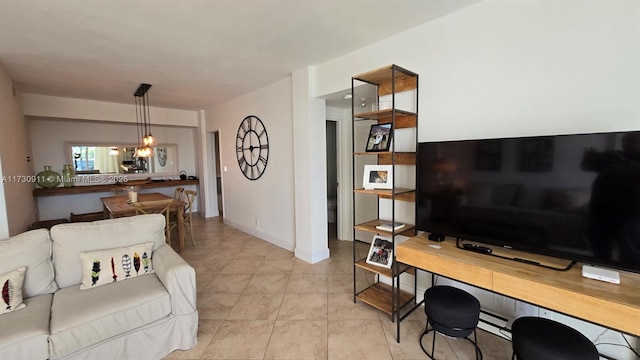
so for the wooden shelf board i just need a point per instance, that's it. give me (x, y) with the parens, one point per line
(370, 226)
(402, 158)
(406, 196)
(375, 269)
(384, 157)
(378, 295)
(362, 263)
(383, 74)
(404, 119)
(384, 192)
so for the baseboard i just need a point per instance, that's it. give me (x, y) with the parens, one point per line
(494, 324)
(266, 237)
(312, 257)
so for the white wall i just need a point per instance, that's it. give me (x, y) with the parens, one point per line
(511, 68)
(91, 110)
(17, 208)
(269, 199)
(49, 135)
(514, 68)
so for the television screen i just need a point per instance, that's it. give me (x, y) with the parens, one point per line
(571, 196)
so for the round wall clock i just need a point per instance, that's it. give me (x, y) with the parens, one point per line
(252, 147)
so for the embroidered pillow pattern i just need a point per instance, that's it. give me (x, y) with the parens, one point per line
(108, 266)
(11, 283)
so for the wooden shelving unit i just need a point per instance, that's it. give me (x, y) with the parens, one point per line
(385, 294)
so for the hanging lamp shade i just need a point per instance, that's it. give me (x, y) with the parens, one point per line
(143, 122)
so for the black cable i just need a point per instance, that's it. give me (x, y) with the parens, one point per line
(630, 347)
(620, 345)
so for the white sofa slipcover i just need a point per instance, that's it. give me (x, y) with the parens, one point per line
(140, 318)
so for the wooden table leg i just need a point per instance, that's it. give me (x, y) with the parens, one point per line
(107, 213)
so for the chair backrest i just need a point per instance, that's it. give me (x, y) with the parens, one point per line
(120, 191)
(153, 207)
(190, 197)
(178, 193)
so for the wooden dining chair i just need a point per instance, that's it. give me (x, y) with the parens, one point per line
(157, 207)
(178, 193)
(190, 197)
(120, 191)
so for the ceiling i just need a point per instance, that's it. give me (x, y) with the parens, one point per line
(195, 53)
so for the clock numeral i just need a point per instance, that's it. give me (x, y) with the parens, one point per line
(242, 162)
(264, 146)
(264, 131)
(252, 176)
(263, 160)
(244, 127)
(239, 148)
(246, 168)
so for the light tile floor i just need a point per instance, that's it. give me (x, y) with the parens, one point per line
(257, 301)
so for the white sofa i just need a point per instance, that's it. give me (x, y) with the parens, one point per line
(144, 317)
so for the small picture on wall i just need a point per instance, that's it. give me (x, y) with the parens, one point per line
(161, 153)
(380, 252)
(536, 154)
(379, 137)
(378, 177)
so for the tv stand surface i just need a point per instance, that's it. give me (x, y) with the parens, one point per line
(610, 305)
(519, 256)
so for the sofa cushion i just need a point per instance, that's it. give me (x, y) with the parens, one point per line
(11, 287)
(83, 318)
(24, 334)
(69, 240)
(107, 266)
(33, 250)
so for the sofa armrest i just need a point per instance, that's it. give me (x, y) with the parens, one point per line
(178, 277)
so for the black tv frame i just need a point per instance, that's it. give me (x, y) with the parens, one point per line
(561, 254)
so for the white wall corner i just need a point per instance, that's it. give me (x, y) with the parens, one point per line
(309, 159)
(312, 257)
(262, 235)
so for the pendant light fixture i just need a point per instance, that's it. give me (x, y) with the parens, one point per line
(143, 122)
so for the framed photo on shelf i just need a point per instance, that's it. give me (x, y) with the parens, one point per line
(380, 252)
(377, 177)
(379, 137)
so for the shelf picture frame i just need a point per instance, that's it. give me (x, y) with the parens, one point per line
(377, 177)
(379, 137)
(380, 252)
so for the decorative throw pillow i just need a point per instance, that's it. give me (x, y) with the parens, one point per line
(12, 290)
(108, 266)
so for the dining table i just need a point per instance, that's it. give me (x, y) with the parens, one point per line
(120, 206)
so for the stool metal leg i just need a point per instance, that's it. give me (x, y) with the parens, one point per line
(433, 342)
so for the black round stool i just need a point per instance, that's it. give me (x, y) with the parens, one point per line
(452, 312)
(539, 338)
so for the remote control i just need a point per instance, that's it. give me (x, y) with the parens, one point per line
(477, 248)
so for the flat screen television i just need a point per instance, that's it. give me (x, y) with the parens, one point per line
(575, 196)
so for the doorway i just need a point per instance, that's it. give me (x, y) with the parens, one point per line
(215, 193)
(332, 178)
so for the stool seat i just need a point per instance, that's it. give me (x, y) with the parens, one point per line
(451, 311)
(540, 338)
